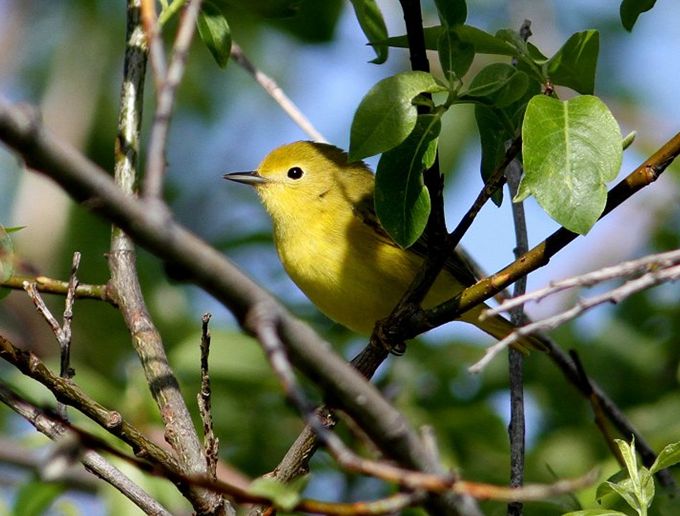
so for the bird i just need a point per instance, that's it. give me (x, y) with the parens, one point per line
(331, 244)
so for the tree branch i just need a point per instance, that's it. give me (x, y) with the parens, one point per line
(92, 461)
(179, 430)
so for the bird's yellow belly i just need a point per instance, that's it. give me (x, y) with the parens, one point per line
(356, 287)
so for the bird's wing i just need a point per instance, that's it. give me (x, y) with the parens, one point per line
(456, 263)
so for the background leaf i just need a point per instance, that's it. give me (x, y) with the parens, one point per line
(372, 23)
(402, 202)
(630, 10)
(574, 64)
(215, 33)
(571, 149)
(386, 115)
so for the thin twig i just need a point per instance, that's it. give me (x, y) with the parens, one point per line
(61, 332)
(165, 100)
(52, 286)
(651, 279)
(92, 461)
(152, 39)
(622, 270)
(276, 93)
(210, 442)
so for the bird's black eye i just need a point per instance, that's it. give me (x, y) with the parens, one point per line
(295, 173)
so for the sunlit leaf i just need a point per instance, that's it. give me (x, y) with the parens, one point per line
(571, 149)
(386, 115)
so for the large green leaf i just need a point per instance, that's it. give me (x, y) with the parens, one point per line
(386, 115)
(630, 10)
(402, 202)
(571, 149)
(215, 33)
(574, 64)
(372, 23)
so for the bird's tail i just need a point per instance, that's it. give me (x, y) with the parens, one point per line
(499, 327)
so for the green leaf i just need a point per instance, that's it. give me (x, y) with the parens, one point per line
(574, 64)
(627, 452)
(215, 33)
(570, 149)
(595, 512)
(35, 497)
(483, 42)
(386, 115)
(402, 202)
(455, 55)
(372, 23)
(669, 456)
(493, 134)
(646, 494)
(284, 496)
(6, 253)
(497, 84)
(625, 490)
(451, 12)
(631, 9)
(496, 127)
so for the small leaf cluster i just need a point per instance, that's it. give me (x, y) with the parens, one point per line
(635, 485)
(571, 149)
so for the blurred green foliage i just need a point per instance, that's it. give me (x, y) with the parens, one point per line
(631, 349)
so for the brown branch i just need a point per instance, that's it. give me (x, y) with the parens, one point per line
(70, 394)
(126, 290)
(165, 101)
(92, 461)
(52, 286)
(210, 442)
(275, 92)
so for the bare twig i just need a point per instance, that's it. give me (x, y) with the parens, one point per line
(92, 461)
(516, 429)
(165, 100)
(61, 332)
(210, 442)
(276, 93)
(631, 268)
(51, 286)
(179, 429)
(152, 38)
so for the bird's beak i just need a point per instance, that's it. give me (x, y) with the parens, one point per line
(248, 178)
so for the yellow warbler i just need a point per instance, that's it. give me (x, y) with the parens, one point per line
(332, 245)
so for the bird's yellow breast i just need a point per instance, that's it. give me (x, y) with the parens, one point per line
(350, 274)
